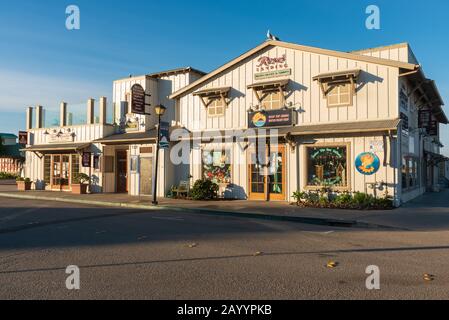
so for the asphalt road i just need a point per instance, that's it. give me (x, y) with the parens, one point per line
(132, 254)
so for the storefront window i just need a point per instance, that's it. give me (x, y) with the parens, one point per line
(327, 166)
(216, 167)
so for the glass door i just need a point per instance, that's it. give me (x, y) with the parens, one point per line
(60, 174)
(267, 176)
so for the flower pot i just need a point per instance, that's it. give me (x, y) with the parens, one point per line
(23, 186)
(79, 188)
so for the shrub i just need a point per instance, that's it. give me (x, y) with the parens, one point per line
(80, 178)
(299, 196)
(7, 176)
(343, 200)
(204, 190)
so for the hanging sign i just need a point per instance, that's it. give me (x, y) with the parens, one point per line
(86, 159)
(137, 99)
(271, 118)
(164, 142)
(367, 163)
(23, 137)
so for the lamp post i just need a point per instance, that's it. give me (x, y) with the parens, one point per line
(160, 110)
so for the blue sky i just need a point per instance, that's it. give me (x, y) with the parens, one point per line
(41, 62)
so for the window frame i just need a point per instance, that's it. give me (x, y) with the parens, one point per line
(269, 94)
(213, 103)
(338, 85)
(305, 166)
(412, 173)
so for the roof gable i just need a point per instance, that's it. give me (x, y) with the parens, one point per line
(274, 43)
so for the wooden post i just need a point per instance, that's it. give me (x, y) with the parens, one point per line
(103, 105)
(29, 119)
(39, 117)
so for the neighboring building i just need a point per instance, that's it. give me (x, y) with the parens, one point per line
(11, 159)
(364, 121)
(111, 153)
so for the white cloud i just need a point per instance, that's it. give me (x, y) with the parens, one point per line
(19, 90)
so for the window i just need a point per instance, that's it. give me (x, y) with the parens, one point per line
(47, 169)
(327, 166)
(410, 173)
(271, 100)
(339, 95)
(215, 107)
(75, 165)
(216, 166)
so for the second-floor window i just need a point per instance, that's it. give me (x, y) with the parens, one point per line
(216, 107)
(339, 95)
(272, 100)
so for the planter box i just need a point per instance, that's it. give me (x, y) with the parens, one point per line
(23, 186)
(79, 188)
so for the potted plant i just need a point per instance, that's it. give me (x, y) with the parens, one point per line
(80, 183)
(23, 184)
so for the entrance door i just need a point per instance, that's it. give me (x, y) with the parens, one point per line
(122, 172)
(267, 180)
(146, 175)
(60, 179)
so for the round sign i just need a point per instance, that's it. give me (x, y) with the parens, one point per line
(367, 163)
(259, 119)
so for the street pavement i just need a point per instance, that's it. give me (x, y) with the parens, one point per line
(139, 254)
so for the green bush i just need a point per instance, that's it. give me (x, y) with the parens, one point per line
(204, 190)
(7, 176)
(345, 200)
(20, 179)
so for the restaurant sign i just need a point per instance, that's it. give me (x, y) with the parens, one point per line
(271, 118)
(272, 67)
(428, 122)
(137, 99)
(367, 163)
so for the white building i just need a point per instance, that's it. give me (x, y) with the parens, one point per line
(363, 121)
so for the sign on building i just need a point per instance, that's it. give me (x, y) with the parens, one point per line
(271, 118)
(23, 137)
(137, 99)
(86, 159)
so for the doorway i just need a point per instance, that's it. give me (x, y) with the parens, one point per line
(146, 176)
(122, 171)
(267, 179)
(60, 175)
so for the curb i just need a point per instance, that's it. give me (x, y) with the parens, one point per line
(212, 212)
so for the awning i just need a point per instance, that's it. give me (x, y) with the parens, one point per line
(54, 148)
(430, 96)
(269, 85)
(213, 92)
(338, 76)
(342, 127)
(130, 138)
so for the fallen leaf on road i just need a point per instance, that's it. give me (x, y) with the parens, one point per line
(332, 264)
(258, 253)
(429, 277)
(193, 245)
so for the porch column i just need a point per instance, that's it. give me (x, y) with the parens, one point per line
(39, 117)
(103, 104)
(90, 111)
(63, 114)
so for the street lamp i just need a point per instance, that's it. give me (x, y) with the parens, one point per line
(160, 110)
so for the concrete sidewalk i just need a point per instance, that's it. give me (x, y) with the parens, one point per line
(430, 212)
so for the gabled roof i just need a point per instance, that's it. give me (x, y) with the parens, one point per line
(273, 43)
